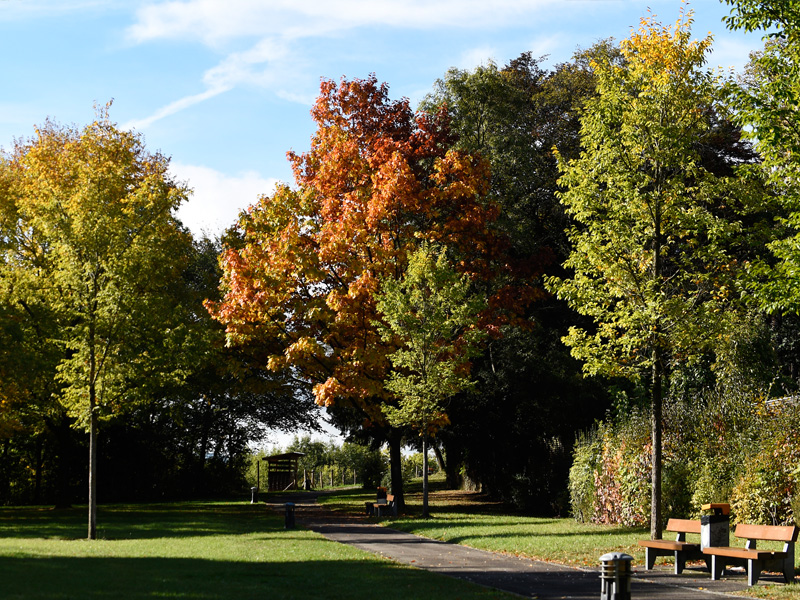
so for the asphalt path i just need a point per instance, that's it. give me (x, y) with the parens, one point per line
(525, 577)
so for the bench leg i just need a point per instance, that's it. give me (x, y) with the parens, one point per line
(753, 571)
(717, 567)
(680, 562)
(650, 558)
(788, 566)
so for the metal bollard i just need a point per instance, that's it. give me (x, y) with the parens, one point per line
(615, 576)
(289, 517)
(253, 495)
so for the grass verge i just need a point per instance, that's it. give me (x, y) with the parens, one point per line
(195, 551)
(469, 519)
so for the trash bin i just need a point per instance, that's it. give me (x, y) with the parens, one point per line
(288, 520)
(715, 528)
(253, 495)
(615, 576)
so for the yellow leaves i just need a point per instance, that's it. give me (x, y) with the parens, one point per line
(666, 52)
(302, 349)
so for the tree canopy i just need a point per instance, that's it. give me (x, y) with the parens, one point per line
(302, 275)
(651, 254)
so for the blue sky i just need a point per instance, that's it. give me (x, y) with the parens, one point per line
(224, 87)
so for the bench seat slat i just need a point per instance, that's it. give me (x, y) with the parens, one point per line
(744, 553)
(670, 545)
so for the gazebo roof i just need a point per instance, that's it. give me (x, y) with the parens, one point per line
(287, 455)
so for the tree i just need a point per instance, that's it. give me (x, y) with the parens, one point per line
(93, 241)
(432, 313)
(766, 105)
(652, 262)
(531, 397)
(303, 268)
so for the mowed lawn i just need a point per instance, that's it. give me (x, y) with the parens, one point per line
(468, 518)
(203, 551)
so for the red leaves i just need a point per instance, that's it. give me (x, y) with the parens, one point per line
(377, 180)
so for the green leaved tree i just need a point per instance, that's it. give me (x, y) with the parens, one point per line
(766, 104)
(92, 248)
(651, 257)
(432, 315)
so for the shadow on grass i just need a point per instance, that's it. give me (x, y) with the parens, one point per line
(197, 579)
(136, 521)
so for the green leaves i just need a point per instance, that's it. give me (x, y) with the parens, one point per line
(432, 314)
(650, 248)
(92, 249)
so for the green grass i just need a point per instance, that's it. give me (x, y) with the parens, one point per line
(463, 518)
(469, 519)
(194, 551)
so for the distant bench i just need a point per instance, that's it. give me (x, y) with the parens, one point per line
(753, 559)
(382, 507)
(680, 549)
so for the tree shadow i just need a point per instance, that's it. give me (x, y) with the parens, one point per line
(36, 578)
(137, 521)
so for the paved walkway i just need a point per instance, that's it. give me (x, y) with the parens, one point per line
(525, 577)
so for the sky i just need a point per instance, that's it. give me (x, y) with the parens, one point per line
(224, 87)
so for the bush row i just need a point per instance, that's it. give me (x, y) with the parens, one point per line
(723, 447)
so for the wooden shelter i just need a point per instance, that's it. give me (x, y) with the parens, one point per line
(282, 471)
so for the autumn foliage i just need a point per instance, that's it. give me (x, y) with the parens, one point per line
(305, 264)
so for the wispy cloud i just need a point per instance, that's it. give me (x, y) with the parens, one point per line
(268, 64)
(282, 29)
(175, 107)
(213, 21)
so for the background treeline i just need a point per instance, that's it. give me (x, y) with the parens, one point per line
(328, 464)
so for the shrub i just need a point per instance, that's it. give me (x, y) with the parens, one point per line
(769, 481)
(586, 456)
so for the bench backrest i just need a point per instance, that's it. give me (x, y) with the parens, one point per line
(775, 533)
(683, 526)
(389, 498)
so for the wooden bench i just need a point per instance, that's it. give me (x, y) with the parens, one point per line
(680, 549)
(383, 507)
(753, 559)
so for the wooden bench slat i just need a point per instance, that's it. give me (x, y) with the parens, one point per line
(744, 553)
(683, 526)
(668, 545)
(774, 533)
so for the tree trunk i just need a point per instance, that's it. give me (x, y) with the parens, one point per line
(425, 513)
(437, 452)
(92, 434)
(656, 389)
(655, 431)
(396, 467)
(92, 466)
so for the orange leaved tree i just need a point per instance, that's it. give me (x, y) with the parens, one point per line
(304, 266)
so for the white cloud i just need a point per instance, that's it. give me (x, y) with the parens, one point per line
(176, 106)
(218, 198)
(214, 21)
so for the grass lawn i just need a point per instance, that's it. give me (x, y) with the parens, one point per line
(467, 518)
(202, 551)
